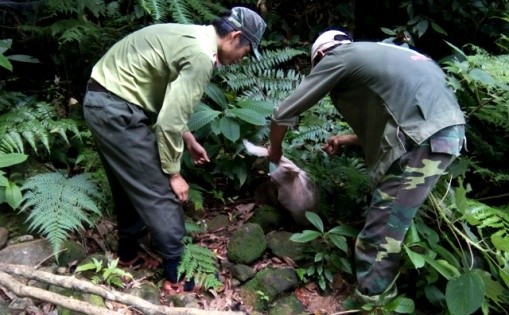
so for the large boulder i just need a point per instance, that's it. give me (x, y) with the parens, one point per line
(247, 244)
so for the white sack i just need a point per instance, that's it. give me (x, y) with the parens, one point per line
(296, 191)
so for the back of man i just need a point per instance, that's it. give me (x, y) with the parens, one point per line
(140, 67)
(380, 89)
(411, 129)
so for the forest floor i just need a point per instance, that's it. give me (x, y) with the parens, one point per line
(314, 300)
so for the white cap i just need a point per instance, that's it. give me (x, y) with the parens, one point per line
(327, 40)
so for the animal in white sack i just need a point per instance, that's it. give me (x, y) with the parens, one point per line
(296, 192)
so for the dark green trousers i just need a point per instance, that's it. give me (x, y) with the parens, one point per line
(141, 191)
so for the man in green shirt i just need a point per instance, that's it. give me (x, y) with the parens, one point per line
(158, 73)
(409, 125)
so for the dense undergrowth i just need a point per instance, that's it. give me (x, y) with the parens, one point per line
(456, 254)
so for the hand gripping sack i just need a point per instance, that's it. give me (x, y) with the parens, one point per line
(296, 191)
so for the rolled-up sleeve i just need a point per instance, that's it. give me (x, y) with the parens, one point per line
(180, 99)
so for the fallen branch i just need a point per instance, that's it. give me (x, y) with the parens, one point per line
(88, 287)
(20, 289)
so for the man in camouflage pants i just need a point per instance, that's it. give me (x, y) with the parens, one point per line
(409, 125)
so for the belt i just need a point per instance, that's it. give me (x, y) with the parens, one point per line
(95, 87)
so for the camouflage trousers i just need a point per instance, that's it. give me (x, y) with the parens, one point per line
(395, 202)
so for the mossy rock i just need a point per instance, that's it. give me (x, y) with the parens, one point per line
(73, 251)
(247, 244)
(269, 218)
(287, 304)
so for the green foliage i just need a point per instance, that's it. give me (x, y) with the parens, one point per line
(111, 275)
(329, 249)
(183, 12)
(37, 124)
(261, 79)
(5, 61)
(474, 21)
(9, 190)
(342, 180)
(200, 263)
(237, 110)
(399, 305)
(481, 82)
(470, 253)
(59, 205)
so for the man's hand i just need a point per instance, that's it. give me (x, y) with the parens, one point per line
(198, 153)
(179, 186)
(335, 142)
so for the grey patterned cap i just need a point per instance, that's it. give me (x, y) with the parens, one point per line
(250, 24)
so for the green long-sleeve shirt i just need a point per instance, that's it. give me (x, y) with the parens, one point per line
(379, 89)
(164, 69)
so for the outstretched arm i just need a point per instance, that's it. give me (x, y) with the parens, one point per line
(277, 134)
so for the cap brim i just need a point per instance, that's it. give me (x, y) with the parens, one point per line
(255, 52)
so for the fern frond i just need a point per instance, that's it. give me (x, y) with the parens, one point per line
(200, 263)
(155, 8)
(12, 143)
(35, 124)
(79, 7)
(59, 205)
(196, 196)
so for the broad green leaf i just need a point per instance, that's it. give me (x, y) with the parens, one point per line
(229, 128)
(13, 195)
(504, 274)
(494, 289)
(23, 58)
(201, 118)
(328, 275)
(483, 77)
(12, 159)
(446, 254)
(401, 305)
(5, 63)
(217, 95)
(434, 295)
(500, 240)
(249, 115)
(344, 230)
(416, 258)
(443, 267)
(261, 107)
(388, 31)
(421, 27)
(305, 236)
(459, 51)
(5, 44)
(437, 28)
(318, 257)
(315, 220)
(240, 172)
(3, 181)
(339, 241)
(412, 236)
(465, 294)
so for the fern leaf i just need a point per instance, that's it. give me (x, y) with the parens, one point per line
(180, 11)
(59, 205)
(154, 8)
(200, 263)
